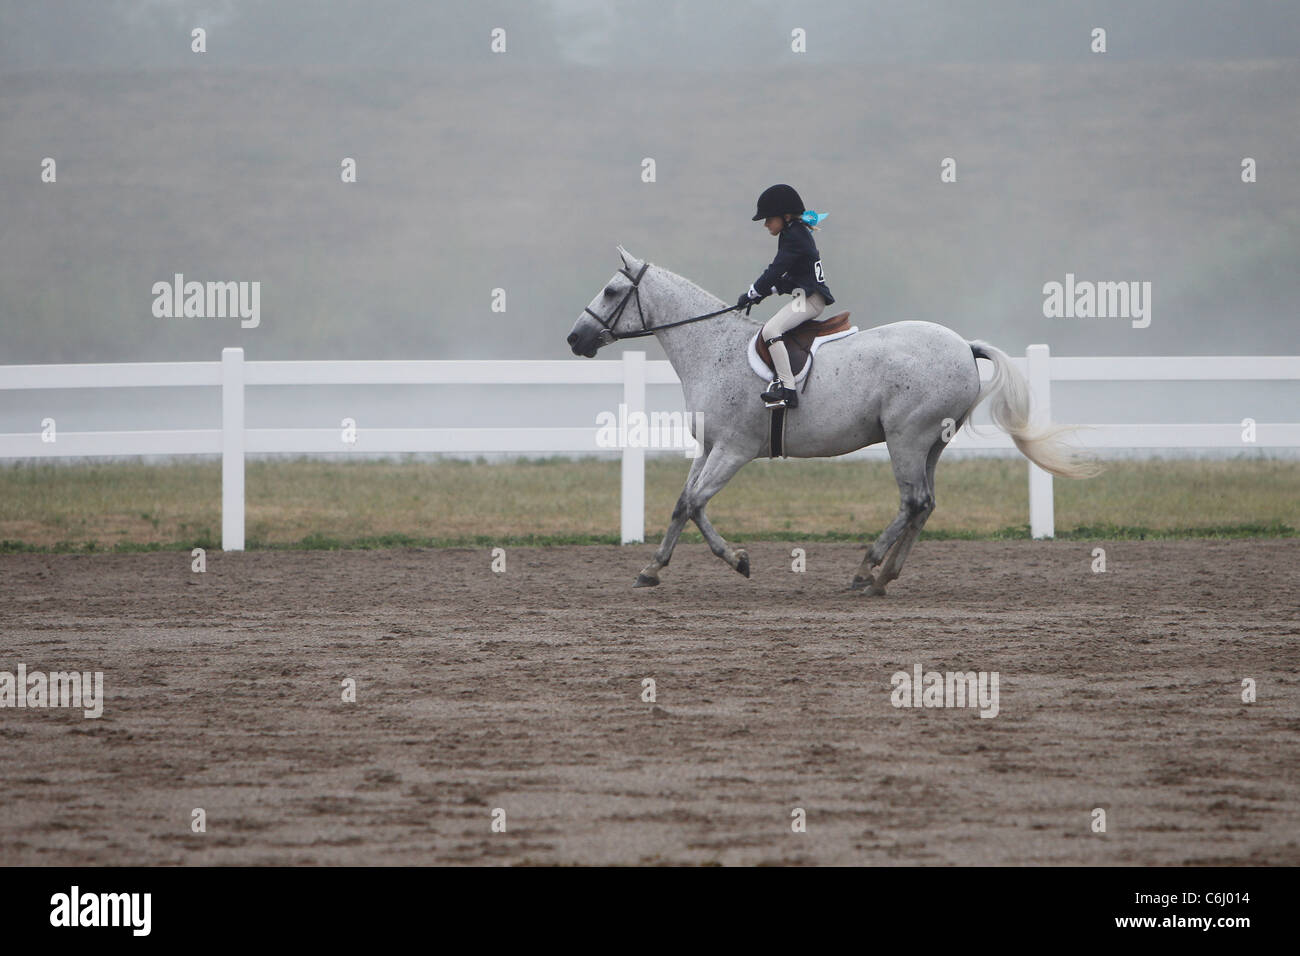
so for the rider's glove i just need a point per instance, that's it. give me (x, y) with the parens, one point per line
(748, 299)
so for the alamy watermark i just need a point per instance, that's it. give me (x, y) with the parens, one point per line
(923, 688)
(653, 430)
(55, 689)
(1098, 300)
(75, 908)
(208, 300)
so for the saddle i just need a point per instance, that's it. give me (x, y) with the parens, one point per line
(799, 340)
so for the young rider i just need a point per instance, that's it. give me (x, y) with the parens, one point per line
(797, 266)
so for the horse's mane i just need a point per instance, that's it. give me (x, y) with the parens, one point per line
(694, 285)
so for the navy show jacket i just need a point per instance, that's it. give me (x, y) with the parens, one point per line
(797, 265)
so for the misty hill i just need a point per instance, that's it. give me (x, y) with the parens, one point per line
(523, 177)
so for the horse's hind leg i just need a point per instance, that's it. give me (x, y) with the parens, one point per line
(893, 565)
(649, 575)
(909, 461)
(876, 553)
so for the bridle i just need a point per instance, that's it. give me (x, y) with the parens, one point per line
(635, 290)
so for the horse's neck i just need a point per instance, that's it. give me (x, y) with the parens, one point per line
(694, 349)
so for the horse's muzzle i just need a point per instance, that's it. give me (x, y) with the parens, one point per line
(585, 349)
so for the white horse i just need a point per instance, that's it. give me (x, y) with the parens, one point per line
(908, 384)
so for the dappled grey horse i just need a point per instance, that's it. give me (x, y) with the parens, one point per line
(908, 384)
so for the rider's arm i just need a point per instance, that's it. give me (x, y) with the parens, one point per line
(787, 254)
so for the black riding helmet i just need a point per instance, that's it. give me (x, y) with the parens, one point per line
(777, 201)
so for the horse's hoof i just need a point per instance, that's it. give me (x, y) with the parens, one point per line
(874, 591)
(858, 583)
(742, 562)
(644, 580)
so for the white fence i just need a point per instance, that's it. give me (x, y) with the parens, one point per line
(233, 441)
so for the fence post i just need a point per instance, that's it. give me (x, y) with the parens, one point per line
(633, 497)
(1042, 506)
(232, 449)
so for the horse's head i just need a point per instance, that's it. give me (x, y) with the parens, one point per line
(608, 317)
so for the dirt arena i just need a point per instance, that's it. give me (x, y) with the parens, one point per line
(522, 691)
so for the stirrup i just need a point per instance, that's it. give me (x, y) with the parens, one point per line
(778, 396)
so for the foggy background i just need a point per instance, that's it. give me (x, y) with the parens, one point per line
(522, 170)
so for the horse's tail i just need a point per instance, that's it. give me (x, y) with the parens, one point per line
(1009, 393)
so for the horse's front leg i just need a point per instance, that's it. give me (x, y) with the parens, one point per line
(738, 558)
(649, 575)
(718, 470)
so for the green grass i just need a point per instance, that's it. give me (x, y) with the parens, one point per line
(392, 504)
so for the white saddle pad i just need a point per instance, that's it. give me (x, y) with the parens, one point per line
(765, 373)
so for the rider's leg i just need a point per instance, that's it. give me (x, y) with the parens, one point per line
(780, 359)
(795, 312)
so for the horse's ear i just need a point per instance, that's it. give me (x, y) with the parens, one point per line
(629, 260)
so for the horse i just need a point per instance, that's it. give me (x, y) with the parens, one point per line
(909, 384)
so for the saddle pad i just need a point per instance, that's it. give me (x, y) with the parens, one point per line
(765, 373)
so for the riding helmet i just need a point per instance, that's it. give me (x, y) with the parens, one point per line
(777, 201)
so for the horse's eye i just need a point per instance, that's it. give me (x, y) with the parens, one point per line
(609, 291)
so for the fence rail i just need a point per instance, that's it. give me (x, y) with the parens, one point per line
(233, 441)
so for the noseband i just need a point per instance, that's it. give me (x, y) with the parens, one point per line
(635, 289)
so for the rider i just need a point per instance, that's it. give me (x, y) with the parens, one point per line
(797, 265)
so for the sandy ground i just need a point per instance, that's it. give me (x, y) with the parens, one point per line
(522, 691)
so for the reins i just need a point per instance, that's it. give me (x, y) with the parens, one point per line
(635, 288)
